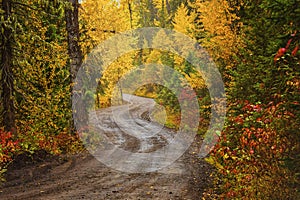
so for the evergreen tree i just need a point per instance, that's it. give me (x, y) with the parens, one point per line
(9, 28)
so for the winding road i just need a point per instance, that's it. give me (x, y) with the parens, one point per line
(127, 132)
(133, 120)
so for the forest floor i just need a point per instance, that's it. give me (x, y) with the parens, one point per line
(82, 176)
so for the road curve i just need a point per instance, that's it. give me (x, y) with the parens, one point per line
(84, 177)
(132, 140)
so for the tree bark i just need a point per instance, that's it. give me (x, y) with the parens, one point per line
(7, 76)
(72, 25)
(79, 117)
(130, 13)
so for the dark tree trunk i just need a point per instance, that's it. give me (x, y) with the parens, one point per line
(7, 76)
(130, 13)
(72, 25)
(152, 12)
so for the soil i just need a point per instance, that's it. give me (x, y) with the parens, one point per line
(81, 176)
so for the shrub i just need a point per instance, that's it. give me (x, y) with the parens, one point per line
(8, 147)
(253, 153)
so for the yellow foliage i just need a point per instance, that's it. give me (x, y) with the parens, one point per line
(162, 12)
(43, 100)
(103, 19)
(112, 74)
(183, 21)
(154, 57)
(222, 38)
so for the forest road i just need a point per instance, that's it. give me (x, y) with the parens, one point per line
(132, 127)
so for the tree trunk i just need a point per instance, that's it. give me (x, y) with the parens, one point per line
(168, 7)
(130, 13)
(75, 55)
(7, 76)
(72, 25)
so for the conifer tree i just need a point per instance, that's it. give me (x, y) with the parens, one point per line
(7, 36)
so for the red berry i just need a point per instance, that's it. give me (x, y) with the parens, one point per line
(281, 51)
(279, 54)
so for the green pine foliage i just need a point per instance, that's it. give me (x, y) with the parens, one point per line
(258, 153)
(254, 43)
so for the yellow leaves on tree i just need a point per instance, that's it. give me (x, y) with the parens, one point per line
(42, 88)
(163, 13)
(184, 22)
(220, 26)
(111, 76)
(104, 18)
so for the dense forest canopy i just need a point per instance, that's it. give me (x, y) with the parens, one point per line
(254, 44)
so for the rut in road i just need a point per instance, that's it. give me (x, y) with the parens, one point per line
(84, 177)
(133, 122)
(154, 146)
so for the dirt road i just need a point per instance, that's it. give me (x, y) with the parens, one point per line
(82, 176)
